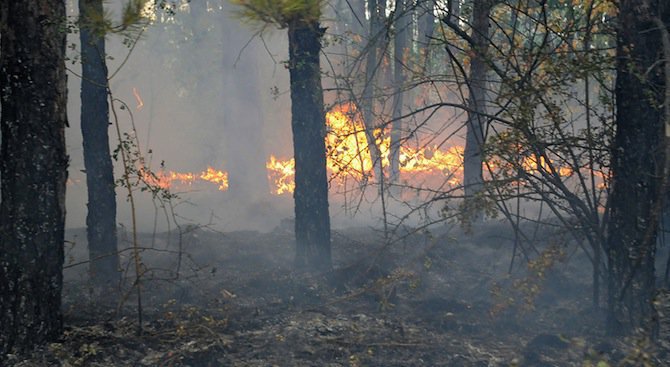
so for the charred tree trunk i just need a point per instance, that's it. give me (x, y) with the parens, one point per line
(33, 171)
(101, 216)
(473, 181)
(402, 24)
(308, 122)
(638, 160)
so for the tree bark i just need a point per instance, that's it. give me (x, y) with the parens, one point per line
(638, 160)
(312, 221)
(367, 100)
(473, 181)
(33, 171)
(101, 216)
(358, 25)
(426, 21)
(402, 28)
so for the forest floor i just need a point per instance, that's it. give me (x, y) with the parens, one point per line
(426, 299)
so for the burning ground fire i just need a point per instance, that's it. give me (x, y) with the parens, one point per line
(171, 179)
(348, 157)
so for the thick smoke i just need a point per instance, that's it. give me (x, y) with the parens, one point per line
(202, 90)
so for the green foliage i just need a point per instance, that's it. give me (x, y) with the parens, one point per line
(134, 14)
(279, 12)
(134, 17)
(140, 176)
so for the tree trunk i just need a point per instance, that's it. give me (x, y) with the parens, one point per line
(312, 221)
(474, 139)
(426, 26)
(402, 28)
(371, 68)
(426, 21)
(358, 16)
(33, 171)
(637, 167)
(101, 216)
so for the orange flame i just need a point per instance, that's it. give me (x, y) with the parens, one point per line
(348, 154)
(138, 98)
(170, 179)
(281, 174)
(433, 160)
(217, 177)
(347, 144)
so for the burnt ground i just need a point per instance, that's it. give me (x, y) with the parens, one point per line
(440, 298)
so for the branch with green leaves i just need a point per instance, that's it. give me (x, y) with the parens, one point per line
(279, 12)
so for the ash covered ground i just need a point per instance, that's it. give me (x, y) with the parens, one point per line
(426, 298)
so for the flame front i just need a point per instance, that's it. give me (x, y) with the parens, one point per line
(433, 160)
(348, 154)
(217, 177)
(172, 179)
(347, 148)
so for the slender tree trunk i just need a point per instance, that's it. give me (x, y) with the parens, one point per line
(426, 21)
(638, 161)
(355, 31)
(372, 66)
(101, 217)
(308, 122)
(402, 28)
(476, 123)
(425, 10)
(358, 16)
(33, 171)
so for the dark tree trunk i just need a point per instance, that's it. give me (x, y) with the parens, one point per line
(476, 123)
(312, 221)
(33, 171)
(101, 216)
(402, 29)
(637, 167)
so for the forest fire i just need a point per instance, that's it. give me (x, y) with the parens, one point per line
(433, 161)
(170, 179)
(281, 175)
(348, 155)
